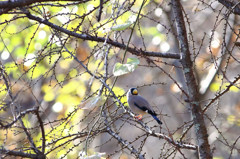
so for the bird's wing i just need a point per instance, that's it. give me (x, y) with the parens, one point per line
(145, 109)
(143, 105)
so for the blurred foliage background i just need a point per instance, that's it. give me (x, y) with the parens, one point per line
(52, 81)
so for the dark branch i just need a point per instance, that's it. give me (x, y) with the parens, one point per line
(125, 143)
(222, 93)
(146, 128)
(101, 39)
(22, 114)
(42, 131)
(100, 10)
(222, 53)
(234, 7)
(17, 153)
(21, 3)
(179, 145)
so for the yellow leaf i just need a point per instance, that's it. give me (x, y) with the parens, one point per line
(49, 96)
(231, 119)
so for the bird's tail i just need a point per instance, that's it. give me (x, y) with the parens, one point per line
(156, 118)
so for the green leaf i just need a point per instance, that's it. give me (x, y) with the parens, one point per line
(121, 27)
(130, 66)
(132, 63)
(120, 69)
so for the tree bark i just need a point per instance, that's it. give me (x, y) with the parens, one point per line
(192, 86)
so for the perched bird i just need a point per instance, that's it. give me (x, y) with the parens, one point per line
(139, 105)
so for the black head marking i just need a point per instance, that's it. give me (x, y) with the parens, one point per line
(134, 91)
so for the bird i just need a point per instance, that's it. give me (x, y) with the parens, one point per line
(140, 105)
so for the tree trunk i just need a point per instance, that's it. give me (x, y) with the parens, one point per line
(193, 93)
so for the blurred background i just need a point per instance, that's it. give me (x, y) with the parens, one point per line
(50, 78)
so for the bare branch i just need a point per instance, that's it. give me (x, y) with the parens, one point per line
(21, 114)
(200, 127)
(179, 145)
(222, 93)
(101, 39)
(58, 56)
(146, 128)
(125, 143)
(234, 7)
(205, 83)
(30, 139)
(17, 153)
(10, 4)
(42, 131)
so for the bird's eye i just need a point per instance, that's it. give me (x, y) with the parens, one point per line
(135, 92)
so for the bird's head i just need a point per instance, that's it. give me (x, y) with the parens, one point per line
(133, 91)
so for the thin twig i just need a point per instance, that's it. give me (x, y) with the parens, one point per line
(134, 51)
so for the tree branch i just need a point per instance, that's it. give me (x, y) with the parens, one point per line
(101, 39)
(222, 93)
(17, 153)
(21, 114)
(200, 127)
(175, 143)
(10, 4)
(146, 128)
(234, 7)
(119, 139)
(207, 81)
(42, 131)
